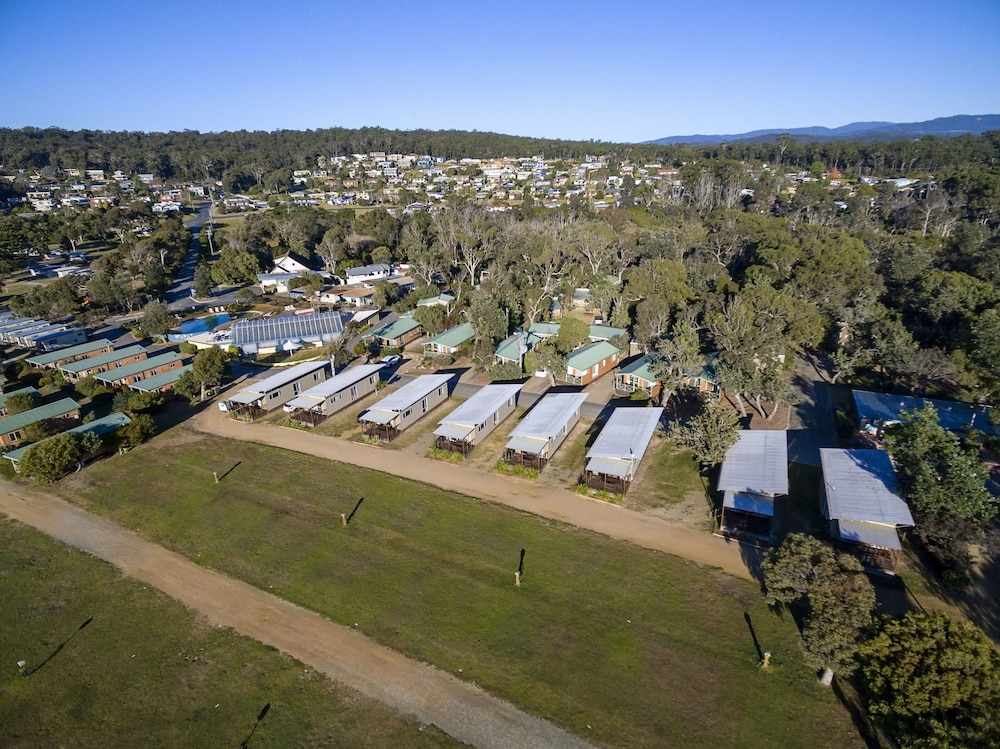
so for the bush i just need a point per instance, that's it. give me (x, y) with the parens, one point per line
(187, 348)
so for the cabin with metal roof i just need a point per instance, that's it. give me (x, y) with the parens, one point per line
(863, 503)
(614, 458)
(876, 411)
(267, 335)
(638, 376)
(4, 396)
(513, 348)
(450, 341)
(397, 334)
(399, 410)
(80, 369)
(162, 382)
(587, 363)
(98, 427)
(536, 438)
(130, 374)
(321, 401)
(473, 421)
(281, 384)
(55, 359)
(753, 474)
(59, 415)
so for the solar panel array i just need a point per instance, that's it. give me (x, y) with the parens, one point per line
(287, 327)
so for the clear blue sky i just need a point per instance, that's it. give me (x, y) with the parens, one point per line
(625, 71)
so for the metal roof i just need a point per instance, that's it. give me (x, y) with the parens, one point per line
(454, 431)
(95, 361)
(454, 336)
(547, 417)
(406, 396)
(626, 434)
(587, 356)
(319, 393)
(887, 409)
(639, 369)
(262, 331)
(84, 348)
(869, 534)
(143, 365)
(97, 426)
(40, 413)
(156, 382)
(862, 485)
(758, 504)
(758, 462)
(510, 347)
(280, 378)
(481, 406)
(395, 329)
(5, 396)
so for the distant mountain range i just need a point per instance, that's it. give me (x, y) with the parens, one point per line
(945, 127)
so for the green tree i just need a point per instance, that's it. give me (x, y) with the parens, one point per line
(545, 356)
(431, 318)
(709, 434)
(37, 431)
(138, 431)
(155, 320)
(203, 280)
(933, 682)
(837, 597)
(573, 333)
(209, 369)
(19, 402)
(52, 459)
(676, 355)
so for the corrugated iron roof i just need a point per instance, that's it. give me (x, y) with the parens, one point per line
(758, 462)
(862, 485)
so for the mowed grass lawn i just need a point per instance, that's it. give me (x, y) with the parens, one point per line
(620, 645)
(147, 673)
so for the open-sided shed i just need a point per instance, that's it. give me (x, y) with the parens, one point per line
(754, 472)
(863, 503)
(401, 409)
(535, 440)
(473, 421)
(321, 401)
(617, 452)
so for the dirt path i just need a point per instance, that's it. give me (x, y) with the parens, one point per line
(458, 708)
(557, 504)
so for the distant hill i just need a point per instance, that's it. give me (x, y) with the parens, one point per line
(945, 127)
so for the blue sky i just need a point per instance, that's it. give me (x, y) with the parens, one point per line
(629, 71)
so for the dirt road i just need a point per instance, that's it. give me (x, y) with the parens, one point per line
(557, 504)
(458, 708)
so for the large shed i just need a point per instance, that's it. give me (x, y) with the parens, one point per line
(863, 503)
(281, 384)
(401, 409)
(473, 421)
(535, 440)
(617, 452)
(285, 332)
(321, 401)
(754, 472)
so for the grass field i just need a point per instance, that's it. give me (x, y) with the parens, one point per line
(146, 672)
(623, 646)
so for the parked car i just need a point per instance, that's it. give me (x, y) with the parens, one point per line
(391, 360)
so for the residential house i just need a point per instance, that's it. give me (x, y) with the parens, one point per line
(59, 415)
(861, 498)
(450, 341)
(638, 376)
(130, 374)
(587, 363)
(261, 397)
(754, 472)
(289, 263)
(318, 403)
(443, 299)
(397, 334)
(366, 273)
(535, 440)
(54, 359)
(473, 421)
(401, 409)
(617, 452)
(80, 369)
